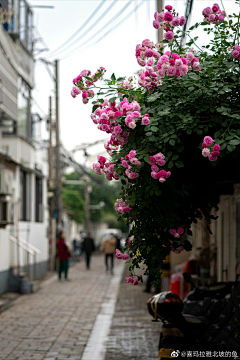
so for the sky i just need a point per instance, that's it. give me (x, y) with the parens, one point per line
(115, 52)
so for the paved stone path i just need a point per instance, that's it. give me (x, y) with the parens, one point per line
(56, 322)
(133, 335)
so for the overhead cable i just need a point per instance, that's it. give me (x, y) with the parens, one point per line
(109, 31)
(66, 44)
(105, 26)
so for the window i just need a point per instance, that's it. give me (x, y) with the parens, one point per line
(6, 14)
(24, 117)
(38, 199)
(25, 24)
(25, 196)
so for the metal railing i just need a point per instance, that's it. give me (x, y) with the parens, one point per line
(20, 253)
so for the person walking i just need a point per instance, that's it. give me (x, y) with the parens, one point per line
(63, 254)
(88, 247)
(108, 247)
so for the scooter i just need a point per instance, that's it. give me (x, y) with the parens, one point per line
(207, 319)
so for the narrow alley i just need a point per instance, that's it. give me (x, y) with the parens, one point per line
(94, 316)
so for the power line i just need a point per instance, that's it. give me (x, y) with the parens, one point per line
(79, 29)
(109, 31)
(104, 27)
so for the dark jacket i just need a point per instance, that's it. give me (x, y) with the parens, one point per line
(63, 252)
(88, 245)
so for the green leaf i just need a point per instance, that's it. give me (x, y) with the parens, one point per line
(157, 192)
(170, 164)
(112, 99)
(234, 142)
(175, 157)
(230, 148)
(147, 158)
(113, 77)
(172, 142)
(179, 164)
(154, 128)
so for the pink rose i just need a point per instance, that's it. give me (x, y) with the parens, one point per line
(182, 20)
(162, 180)
(206, 152)
(161, 162)
(212, 158)
(160, 17)
(168, 17)
(216, 147)
(212, 18)
(208, 140)
(135, 281)
(180, 230)
(235, 54)
(154, 175)
(124, 164)
(125, 257)
(172, 231)
(119, 255)
(154, 168)
(84, 94)
(145, 121)
(162, 173)
(156, 24)
(215, 8)
(215, 153)
(168, 7)
(177, 235)
(152, 160)
(169, 35)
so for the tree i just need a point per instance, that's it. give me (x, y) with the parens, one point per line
(187, 106)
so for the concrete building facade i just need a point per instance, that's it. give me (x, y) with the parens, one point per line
(23, 163)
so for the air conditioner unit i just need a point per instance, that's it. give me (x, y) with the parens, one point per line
(6, 182)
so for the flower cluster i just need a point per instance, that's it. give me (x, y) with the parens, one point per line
(177, 233)
(83, 83)
(121, 206)
(119, 255)
(236, 52)
(170, 64)
(130, 157)
(178, 249)
(131, 280)
(156, 161)
(168, 21)
(209, 149)
(125, 85)
(107, 168)
(146, 50)
(213, 15)
(130, 243)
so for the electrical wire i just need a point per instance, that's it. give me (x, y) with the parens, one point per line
(109, 31)
(66, 44)
(81, 27)
(105, 26)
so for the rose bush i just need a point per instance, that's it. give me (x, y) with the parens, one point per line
(157, 130)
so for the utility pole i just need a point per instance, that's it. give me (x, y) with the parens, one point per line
(55, 79)
(58, 160)
(159, 9)
(51, 225)
(50, 156)
(87, 205)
